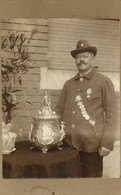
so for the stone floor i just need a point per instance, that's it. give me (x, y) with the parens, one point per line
(111, 163)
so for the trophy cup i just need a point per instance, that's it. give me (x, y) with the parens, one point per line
(45, 131)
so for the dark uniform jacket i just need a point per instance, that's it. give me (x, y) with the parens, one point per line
(98, 98)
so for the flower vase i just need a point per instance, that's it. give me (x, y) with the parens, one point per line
(8, 139)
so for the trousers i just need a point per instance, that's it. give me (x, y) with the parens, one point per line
(91, 164)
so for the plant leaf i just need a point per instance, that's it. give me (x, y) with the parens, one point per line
(28, 102)
(16, 90)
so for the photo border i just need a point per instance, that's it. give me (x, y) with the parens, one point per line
(85, 9)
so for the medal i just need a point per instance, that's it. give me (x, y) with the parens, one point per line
(88, 96)
(84, 112)
(87, 117)
(83, 109)
(92, 122)
(80, 104)
(89, 92)
(78, 98)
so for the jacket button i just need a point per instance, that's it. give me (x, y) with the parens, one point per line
(73, 112)
(73, 125)
(81, 79)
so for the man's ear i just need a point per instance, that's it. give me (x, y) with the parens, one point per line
(93, 56)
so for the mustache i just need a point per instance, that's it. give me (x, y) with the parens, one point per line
(82, 62)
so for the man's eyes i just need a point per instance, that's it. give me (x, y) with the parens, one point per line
(81, 57)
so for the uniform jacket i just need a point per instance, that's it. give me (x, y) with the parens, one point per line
(100, 105)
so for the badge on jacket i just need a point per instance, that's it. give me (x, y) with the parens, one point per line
(89, 92)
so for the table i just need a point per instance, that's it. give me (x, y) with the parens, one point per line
(28, 163)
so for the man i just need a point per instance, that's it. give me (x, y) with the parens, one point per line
(87, 105)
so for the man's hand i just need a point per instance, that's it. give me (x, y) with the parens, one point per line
(104, 151)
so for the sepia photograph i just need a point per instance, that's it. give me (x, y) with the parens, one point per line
(60, 86)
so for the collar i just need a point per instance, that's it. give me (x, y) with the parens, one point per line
(82, 75)
(89, 74)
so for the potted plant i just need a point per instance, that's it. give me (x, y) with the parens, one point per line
(12, 71)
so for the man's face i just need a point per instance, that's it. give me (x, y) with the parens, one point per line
(84, 61)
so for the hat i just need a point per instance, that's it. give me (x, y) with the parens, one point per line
(82, 46)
